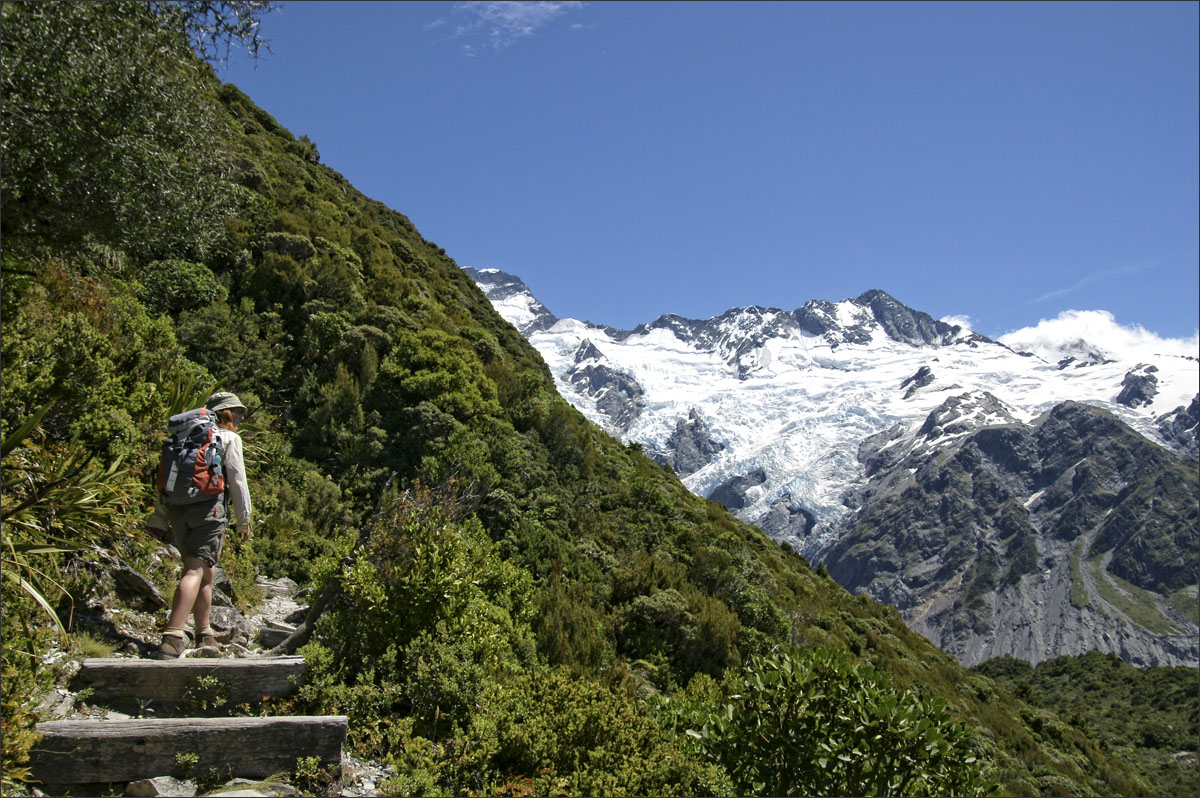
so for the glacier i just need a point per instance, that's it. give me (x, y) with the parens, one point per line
(793, 394)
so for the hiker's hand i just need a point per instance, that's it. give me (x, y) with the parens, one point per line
(246, 533)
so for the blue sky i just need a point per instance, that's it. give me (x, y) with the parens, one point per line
(1000, 162)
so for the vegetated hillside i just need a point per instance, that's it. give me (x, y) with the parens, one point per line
(538, 607)
(1145, 716)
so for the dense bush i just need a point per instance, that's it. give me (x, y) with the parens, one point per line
(1145, 717)
(429, 606)
(107, 142)
(571, 736)
(816, 723)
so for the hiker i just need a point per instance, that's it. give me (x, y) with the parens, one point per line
(199, 530)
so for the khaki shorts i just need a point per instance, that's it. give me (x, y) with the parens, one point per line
(199, 529)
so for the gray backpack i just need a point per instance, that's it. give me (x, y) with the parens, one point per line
(190, 468)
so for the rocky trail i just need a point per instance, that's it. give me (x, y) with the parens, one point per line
(207, 723)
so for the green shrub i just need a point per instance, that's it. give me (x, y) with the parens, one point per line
(560, 734)
(816, 723)
(17, 684)
(170, 286)
(430, 606)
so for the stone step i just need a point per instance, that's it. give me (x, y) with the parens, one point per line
(103, 751)
(140, 684)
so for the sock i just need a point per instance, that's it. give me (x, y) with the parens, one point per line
(173, 631)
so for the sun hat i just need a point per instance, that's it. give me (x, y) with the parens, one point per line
(224, 400)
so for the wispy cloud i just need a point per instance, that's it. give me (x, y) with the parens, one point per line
(1089, 279)
(495, 25)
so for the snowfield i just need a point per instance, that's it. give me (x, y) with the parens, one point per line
(797, 405)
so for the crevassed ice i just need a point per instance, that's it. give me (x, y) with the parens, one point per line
(803, 409)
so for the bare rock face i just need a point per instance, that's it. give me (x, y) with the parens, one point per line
(902, 323)
(732, 492)
(923, 378)
(223, 585)
(691, 445)
(617, 395)
(1181, 428)
(1069, 534)
(1139, 387)
(500, 286)
(786, 520)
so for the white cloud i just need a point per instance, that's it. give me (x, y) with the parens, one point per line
(1075, 332)
(498, 24)
(962, 321)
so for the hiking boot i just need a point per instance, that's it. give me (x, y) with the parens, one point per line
(172, 647)
(208, 640)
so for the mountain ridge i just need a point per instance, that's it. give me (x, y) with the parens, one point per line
(788, 418)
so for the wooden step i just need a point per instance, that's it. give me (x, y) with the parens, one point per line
(127, 684)
(102, 751)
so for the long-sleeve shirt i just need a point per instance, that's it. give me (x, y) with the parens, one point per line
(237, 490)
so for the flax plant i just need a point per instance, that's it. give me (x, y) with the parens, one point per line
(56, 499)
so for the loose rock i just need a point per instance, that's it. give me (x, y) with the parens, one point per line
(161, 786)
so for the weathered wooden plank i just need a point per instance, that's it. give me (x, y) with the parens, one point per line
(121, 682)
(90, 752)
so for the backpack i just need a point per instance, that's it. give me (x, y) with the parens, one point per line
(190, 467)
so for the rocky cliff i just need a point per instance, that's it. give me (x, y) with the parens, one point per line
(1068, 534)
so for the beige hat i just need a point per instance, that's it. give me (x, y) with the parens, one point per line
(224, 400)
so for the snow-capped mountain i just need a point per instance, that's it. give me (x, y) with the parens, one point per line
(778, 413)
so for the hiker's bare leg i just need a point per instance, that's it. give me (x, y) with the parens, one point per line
(202, 609)
(188, 592)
